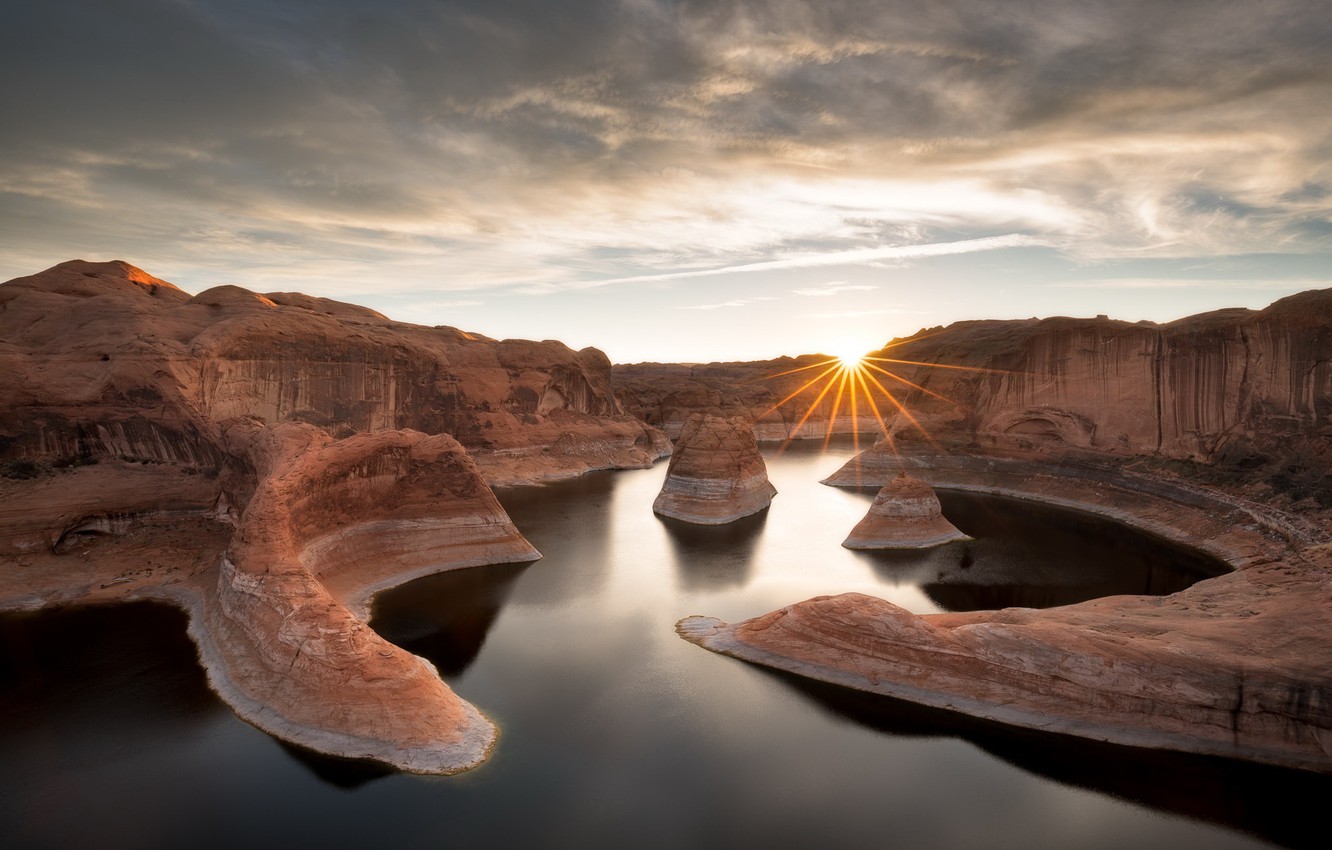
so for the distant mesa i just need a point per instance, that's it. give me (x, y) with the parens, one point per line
(716, 474)
(904, 515)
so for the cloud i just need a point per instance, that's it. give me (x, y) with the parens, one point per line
(859, 256)
(574, 145)
(829, 289)
(1282, 284)
(860, 314)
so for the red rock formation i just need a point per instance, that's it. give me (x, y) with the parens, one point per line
(1234, 666)
(102, 359)
(905, 514)
(162, 446)
(716, 474)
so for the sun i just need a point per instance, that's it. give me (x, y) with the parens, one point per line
(853, 382)
(850, 362)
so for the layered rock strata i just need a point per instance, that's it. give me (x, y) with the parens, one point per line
(259, 461)
(1243, 390)
(905, 514)
(716, 474)
(330, 523)
(102, 360)
(1234, 666)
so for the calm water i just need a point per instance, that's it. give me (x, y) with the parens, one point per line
(616, 733)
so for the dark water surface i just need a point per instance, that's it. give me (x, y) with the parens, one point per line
(616, 733)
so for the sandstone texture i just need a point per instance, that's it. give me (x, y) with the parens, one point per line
(716, 474)
(905, 514)
(268, 462)
(1235, 666)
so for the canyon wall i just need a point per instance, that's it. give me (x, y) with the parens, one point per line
(268, 462)
(1240, 390)
(104, 361)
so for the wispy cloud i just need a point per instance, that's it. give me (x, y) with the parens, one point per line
(1165, 283)
(835, 288)
(859, 256)
(860, 314)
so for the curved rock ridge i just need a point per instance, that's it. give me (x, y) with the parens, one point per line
(905, 514)
(1234, 666)
(716, 474)
(329, 523)
(277, 570)
(258, 460)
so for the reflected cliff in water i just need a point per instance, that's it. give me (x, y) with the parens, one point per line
(445, 617)
(1270, 802)
(714, 557)
(1032, 556)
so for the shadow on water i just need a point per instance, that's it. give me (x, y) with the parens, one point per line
(714, 557)
(146, 674)
(346, 774)
(1034, 556)
(445, 617)
(1272, 803)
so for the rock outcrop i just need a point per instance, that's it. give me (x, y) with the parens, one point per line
(1233, 666)
(905, 514)
(103, 360)
(268, 462)
(716, 474)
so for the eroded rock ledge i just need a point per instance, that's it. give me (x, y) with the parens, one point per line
(260, 461)
(1234, 666)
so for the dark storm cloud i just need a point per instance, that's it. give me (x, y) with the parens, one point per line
(437, 123)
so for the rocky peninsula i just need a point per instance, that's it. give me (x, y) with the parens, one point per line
(268, 462)
(1212, 432)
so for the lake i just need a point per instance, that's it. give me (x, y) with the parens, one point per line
(616, 733)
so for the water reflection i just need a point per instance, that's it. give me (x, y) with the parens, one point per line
(1032, 556)
(714, 557)
(447, 616)
(1269, 802)
(345, 774)
(568, 522)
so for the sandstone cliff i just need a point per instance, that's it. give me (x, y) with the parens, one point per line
(1247, 393)
(716, 474)
(101, 360)
(260, 461)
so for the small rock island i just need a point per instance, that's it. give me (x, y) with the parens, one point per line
(716, 474)
(904, 515)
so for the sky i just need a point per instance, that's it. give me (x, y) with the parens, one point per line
(680, 181)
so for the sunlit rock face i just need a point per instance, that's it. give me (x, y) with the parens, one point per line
(260, 461)
(905, 514)
(103, 360)
(716, 474)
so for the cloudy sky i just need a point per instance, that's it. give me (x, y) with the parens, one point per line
(680, 180)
